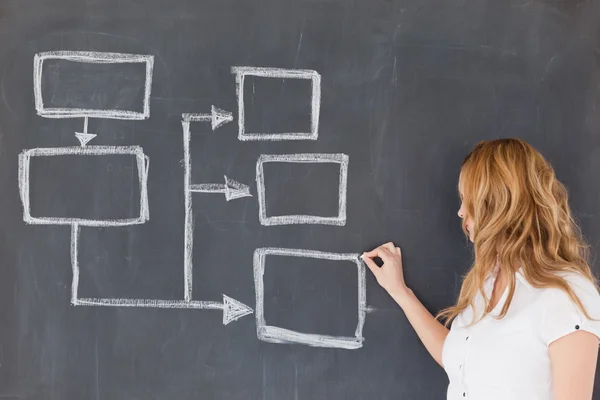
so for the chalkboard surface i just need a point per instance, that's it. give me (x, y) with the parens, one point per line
(185, 185)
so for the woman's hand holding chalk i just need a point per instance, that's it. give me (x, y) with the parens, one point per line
(390, 275)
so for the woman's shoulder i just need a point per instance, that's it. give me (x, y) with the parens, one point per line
(580, 284)
(561, 314)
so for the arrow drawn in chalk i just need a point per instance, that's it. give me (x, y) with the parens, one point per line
(217, 117)
(232, 309)
(232, 189)
(84, 137)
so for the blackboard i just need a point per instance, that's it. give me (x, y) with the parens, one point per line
(202, 245)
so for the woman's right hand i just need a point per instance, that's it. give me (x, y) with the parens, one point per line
(390, 275)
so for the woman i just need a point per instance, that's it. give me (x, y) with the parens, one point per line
(527, 321)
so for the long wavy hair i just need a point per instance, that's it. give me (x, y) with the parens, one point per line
(522, 219)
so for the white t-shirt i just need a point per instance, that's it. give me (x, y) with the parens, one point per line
(508, 359)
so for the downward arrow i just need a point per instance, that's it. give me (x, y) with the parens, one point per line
(84, 138)
(232, 189)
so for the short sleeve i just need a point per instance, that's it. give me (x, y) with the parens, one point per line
(561, 315)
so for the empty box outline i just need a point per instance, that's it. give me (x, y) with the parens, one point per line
(274, 334)
(91, 58)
(339, 220)
(143, 163)
(278, 73)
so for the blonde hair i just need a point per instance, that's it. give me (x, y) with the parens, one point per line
(521, 219)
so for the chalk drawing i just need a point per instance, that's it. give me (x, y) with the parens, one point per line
(278, 73)
(231, 188)
(338, 220)
(75, 231)
(143, 163)
(231, 308)
(84, 137)
(275, 334)
(217, 117)
(188, 233)
(92, 58)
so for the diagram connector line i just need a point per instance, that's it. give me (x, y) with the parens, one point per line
(217, 117)
(188, 233)
(231, 308)
(232, 189)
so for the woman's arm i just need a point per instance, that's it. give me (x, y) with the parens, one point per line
(573, 360)
(390, 276)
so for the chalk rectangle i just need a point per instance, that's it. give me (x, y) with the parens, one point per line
(275, 334)
(142, 165)
(278, 73)
(338, 220)
(106, 85)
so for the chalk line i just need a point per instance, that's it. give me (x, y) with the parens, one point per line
(217, 117)
(74, 262)
(339, 220)
(143, 164)
(150, 303)
(187, 117)
(208, 188)
(232, 189)
(278, 73)
(92, 58)
(231, 308)
(188, 234)
(275, 334)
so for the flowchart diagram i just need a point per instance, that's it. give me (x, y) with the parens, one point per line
(229, 188)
